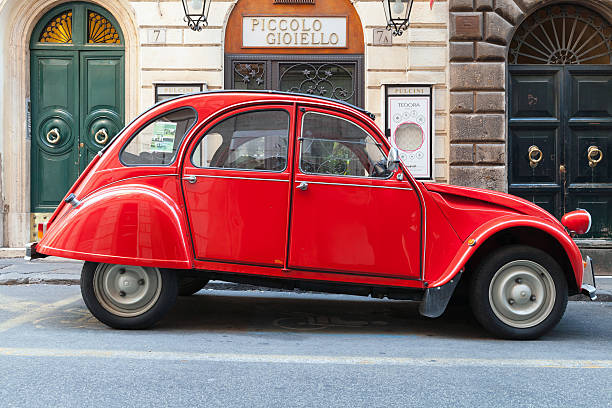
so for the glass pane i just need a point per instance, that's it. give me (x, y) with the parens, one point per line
(101, 31)
(157, 142)
(249, 75)
(332, 145)
(58, 30)
(249, 141)
(335, 81)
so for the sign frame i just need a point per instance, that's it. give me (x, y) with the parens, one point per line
(410, 91)
(157, 85)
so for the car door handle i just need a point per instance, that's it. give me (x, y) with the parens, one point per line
(302, 186)
(190, 179)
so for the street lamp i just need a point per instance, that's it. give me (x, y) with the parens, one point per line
(398, 14)
(196, 13)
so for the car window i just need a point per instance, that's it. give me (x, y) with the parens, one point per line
(248, 141)
(158, 141)
(333, 145)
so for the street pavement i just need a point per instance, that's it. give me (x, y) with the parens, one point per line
(224, 348)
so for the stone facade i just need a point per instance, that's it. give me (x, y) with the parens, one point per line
(420, 56)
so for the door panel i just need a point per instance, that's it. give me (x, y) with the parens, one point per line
(237, 210)
(535, 94)
(358, 225)
(102, 96)
(54, 127)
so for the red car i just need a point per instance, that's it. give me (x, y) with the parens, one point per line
(295, 191)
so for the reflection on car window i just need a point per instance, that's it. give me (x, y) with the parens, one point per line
(157, 142)
(250, 141)
(332, 145)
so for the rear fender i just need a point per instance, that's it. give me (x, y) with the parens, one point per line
(490, 228)
(126, 224)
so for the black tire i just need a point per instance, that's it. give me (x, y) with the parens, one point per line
(187, 286)
(104, 310)
(494, 286)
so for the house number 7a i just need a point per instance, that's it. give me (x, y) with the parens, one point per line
(382, 37)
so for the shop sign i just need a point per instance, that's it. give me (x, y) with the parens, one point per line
(408, 123)
(167, 91)
(294, 32)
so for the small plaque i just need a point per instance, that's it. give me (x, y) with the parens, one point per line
(156, 35)
(468, 25)
(382, 37)
(165, 91)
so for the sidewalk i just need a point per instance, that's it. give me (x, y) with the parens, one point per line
(61, 271)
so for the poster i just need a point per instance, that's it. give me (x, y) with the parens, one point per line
(409, 127)
(163, 137)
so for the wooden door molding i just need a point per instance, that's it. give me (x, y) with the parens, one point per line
(320, 8)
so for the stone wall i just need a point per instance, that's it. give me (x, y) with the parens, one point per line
(479, 33)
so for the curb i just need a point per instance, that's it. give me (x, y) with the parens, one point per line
(602, 295)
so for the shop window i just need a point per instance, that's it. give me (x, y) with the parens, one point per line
(248, 141)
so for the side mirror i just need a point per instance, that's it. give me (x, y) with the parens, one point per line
(393, 159)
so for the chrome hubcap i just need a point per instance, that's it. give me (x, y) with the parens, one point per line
(126, 291)
(522, 294)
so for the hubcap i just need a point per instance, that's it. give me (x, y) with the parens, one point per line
(126, 291)
(522, 294)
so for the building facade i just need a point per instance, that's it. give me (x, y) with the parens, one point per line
(460, 85)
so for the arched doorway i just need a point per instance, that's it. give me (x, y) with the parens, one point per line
(77, 96)
(560, 113)
(313, 47)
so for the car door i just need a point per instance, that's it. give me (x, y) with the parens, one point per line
(236, 181)
(348, 215)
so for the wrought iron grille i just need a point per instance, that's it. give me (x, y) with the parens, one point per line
(250, 75)
(562, 34)
(335, 81)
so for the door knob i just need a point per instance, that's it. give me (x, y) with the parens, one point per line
(302, 186)
(101, 136)
(190, 179)
(594, 155)
(535, 156)
(53, 136)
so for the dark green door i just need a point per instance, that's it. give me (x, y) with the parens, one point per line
(560, 129)
(77, 96)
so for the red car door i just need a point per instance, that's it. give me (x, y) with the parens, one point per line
(236, 181)
(347, 214)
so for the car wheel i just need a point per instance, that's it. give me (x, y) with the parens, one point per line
(189, 286)
(127, 297)
(518, 292)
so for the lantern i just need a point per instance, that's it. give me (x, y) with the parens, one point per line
(196, 13)
(398, 15)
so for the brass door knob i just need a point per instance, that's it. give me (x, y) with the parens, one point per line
(535, 156)
(101, 136)
(53, 136)
(594, 155)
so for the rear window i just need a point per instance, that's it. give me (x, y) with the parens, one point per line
(158, 141)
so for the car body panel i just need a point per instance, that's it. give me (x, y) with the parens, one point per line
(390, 232)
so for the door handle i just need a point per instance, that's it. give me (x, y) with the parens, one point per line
(302, 186)
(535, 156)
(53, 136)
(594, 155)
(190, 179)
(101, 136)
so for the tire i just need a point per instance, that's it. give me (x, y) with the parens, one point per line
(531, 276)
(188, 286)
(127, 297)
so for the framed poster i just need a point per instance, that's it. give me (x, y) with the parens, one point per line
(408, 125)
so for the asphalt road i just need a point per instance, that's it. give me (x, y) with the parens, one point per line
(224, 348)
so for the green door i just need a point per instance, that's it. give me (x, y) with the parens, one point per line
(77, 96)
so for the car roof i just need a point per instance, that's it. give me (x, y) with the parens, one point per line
(267, 94)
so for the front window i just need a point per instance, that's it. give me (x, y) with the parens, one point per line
(157, 142)
(248, 141)
(335, 146)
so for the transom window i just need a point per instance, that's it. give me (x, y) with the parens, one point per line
(157, 142)
(336, 146)
(255, 140)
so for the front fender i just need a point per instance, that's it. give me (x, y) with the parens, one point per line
(126, 224)
(488, 229)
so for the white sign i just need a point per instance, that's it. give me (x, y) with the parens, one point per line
(409, 121)
(156, 35)
(294, 32)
